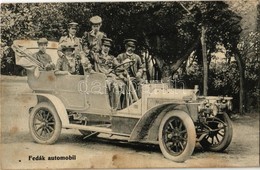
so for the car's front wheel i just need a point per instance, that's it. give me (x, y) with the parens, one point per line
(44, 123)
(219, 134)
(177, 136)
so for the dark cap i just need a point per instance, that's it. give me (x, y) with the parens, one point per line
(107, 42)
(42, 41)
(130, 42)
(67, 45)
(73, 25)
(95, 19)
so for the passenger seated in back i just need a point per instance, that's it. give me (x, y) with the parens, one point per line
(87, 58)
(42, 56)
(70, 61)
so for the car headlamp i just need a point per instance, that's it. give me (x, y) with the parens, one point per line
(208, 108)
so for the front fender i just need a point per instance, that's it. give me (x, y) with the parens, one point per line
(146, 129)
(58, 105)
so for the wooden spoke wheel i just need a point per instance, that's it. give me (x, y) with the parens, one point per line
(44, 123)
(219, 134)
(177, 136)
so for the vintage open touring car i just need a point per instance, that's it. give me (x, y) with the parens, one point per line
(175, 119)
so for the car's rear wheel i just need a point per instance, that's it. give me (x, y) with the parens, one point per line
(219, 135)
(44, 123)
(177, 136)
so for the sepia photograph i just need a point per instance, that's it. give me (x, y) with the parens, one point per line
(130, 84)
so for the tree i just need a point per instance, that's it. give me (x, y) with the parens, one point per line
(30, 21)
(248, 10)
(247, 52)
(216, 24)
(163, 26)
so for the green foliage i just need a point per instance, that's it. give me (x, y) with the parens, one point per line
(30, 21)
(164, 27)
(224, 79)
(249, 50)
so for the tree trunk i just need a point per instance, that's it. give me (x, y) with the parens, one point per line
(205, 62)
(179, 62)
(241, 82)
(158, 43)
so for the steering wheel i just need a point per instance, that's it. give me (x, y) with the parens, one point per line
(123, 66)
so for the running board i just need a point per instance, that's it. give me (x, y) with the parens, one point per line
(95, 129)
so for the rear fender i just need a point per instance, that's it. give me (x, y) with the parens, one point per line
(57, 104)
(147, 128)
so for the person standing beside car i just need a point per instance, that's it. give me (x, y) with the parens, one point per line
(42, 56)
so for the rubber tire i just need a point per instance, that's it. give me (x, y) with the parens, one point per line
(225, 142)
(57, 128)
(188, 123)
(86, 133)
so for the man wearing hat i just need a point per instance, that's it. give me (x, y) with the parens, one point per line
(95, 36)
(137, 69)
(42, 56)
(105, 63)
(70, 61)
(70, 38)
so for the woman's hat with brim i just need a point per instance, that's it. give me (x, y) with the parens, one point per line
(95, 20)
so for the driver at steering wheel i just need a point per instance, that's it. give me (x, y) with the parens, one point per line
(136, 70)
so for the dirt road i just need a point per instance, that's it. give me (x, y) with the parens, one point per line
(18, 148)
